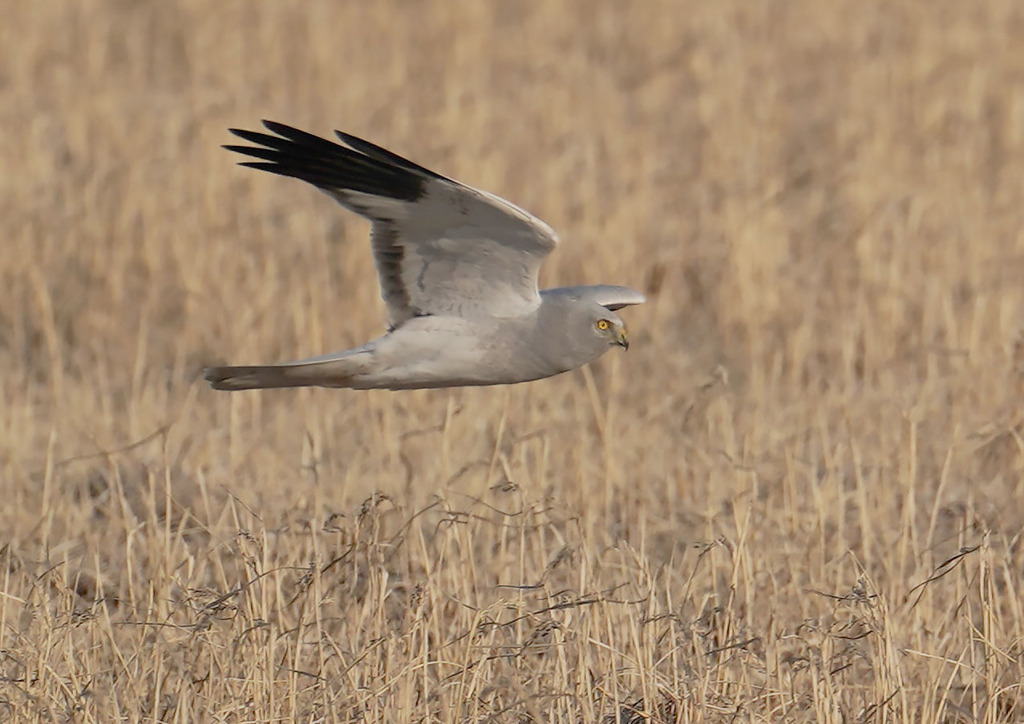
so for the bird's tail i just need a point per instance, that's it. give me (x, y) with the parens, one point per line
(338, 370)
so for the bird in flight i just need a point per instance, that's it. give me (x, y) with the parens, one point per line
(458, 274)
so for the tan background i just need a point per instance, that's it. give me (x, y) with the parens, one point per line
(820, 410)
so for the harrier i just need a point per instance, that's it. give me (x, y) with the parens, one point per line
(458, 274)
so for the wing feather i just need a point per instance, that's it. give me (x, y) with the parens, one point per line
(440, 247)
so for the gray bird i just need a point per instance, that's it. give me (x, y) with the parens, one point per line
(458, 274)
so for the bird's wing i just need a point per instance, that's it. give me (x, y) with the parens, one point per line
(440, 247)
(610, 296)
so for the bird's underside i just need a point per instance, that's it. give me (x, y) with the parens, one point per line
(416, 355)
(458, 274)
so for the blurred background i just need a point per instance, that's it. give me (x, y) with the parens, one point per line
(819, 410)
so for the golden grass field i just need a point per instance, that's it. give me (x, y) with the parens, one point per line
(798, 497)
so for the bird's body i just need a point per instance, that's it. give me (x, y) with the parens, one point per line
(458, 273)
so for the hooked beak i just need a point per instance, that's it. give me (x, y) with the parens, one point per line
(623, 340)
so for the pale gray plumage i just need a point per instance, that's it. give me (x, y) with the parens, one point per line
(458, 274)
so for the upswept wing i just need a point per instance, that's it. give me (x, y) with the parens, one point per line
(607, 295)
(440, 247)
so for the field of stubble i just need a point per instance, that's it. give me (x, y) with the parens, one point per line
(798, 497)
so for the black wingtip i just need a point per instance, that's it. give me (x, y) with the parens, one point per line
(348, 139)
(363, 167)
(382, 154)
(241, 133)
(264, 166)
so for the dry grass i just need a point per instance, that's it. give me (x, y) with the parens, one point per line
(799, 497)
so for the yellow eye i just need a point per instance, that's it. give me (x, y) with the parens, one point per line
(603, 324)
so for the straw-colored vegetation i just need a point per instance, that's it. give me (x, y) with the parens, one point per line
(798, 497)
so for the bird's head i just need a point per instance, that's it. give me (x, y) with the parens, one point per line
(608, 327)
(589, 320)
